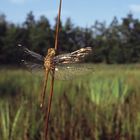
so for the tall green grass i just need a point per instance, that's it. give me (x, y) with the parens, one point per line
(103, 105)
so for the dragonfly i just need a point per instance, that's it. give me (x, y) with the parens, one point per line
(64, 65)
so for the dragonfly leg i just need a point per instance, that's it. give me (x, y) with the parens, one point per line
(44, 89)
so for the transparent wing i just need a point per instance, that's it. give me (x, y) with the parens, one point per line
(34, 62)
(33, 66)
(74, 57)
(67, 72)
(66, 67)
(31, 54)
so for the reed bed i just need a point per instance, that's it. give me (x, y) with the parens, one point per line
(102, 105)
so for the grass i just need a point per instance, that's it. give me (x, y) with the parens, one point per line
(103, 105)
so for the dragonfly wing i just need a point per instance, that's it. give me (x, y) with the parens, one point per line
(30, 54)
(67, 72)
(74, 57)
(34, 67)
(34, 62)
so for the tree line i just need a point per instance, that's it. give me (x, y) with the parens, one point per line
(118, 42)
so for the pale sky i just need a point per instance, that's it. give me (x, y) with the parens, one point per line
(82, 12)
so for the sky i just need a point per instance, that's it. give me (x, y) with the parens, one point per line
(82, 12)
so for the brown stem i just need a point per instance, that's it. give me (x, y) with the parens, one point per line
(49, 105)
(44, 89)
(57, 27)
(52, 77)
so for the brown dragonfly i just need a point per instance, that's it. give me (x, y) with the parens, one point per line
(63, 65)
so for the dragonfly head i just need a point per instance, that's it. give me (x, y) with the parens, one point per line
(51, 52)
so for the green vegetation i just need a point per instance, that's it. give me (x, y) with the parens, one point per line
(103, 105)
(118, 42)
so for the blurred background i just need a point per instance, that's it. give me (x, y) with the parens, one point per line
(100, 105)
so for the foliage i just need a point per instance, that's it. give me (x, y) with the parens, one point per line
(9, 125)
(118, 42)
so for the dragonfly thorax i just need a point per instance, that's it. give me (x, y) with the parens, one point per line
(48, 61)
